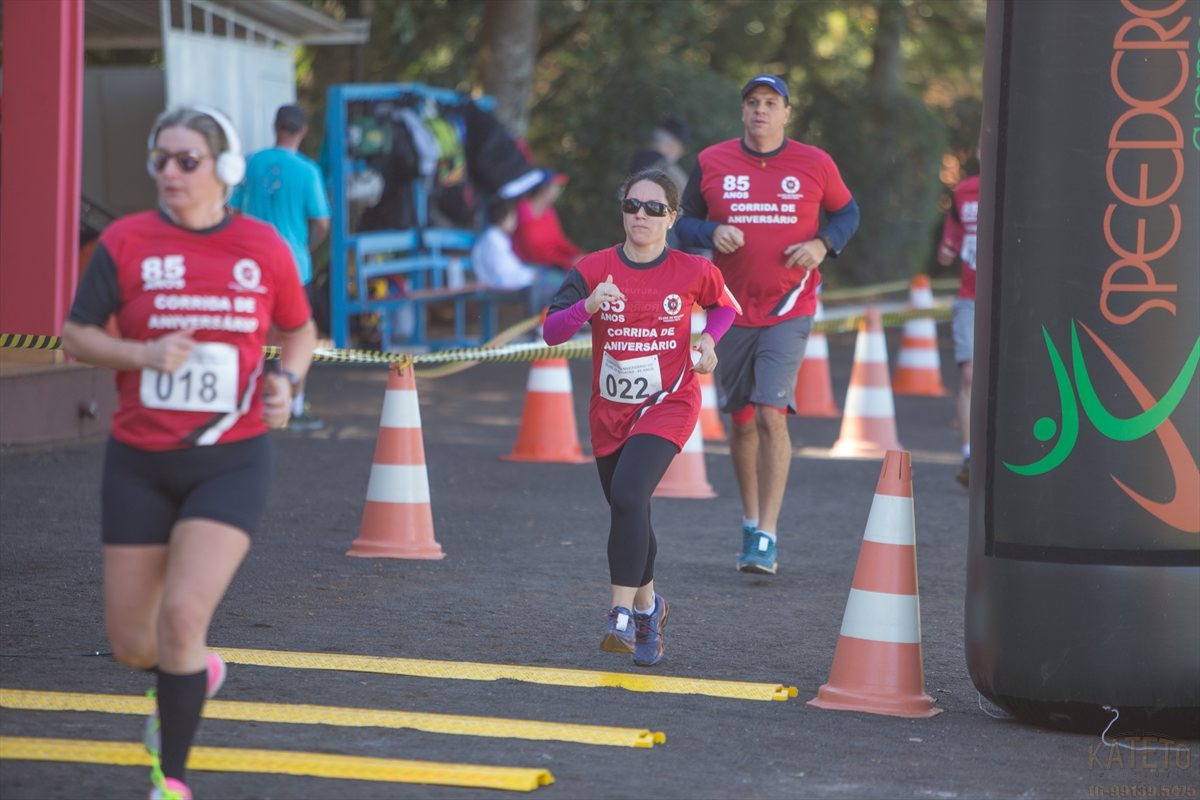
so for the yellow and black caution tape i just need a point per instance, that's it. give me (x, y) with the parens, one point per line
(468, 356)
(463, 670)
(450, 724)
(21, 341)
(281, 762)
(504, 337)
(889, 319)
(876, 289)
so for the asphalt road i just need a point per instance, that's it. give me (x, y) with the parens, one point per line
(524, 582)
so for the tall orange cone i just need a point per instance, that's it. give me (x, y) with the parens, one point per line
(397, 519)
(687, 477)
(869, 418)
(711, 428)
(548, 432)
(814, 387)
(919, 367)
(877, 664)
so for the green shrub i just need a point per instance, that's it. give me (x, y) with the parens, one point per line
(889, 147)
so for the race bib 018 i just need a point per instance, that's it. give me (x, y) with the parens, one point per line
(207, 381)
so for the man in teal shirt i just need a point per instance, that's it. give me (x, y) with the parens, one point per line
(285, 188)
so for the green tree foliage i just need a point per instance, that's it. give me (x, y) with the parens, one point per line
(608, 69)
(889, 148)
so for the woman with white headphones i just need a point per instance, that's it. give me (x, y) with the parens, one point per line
(179, 301)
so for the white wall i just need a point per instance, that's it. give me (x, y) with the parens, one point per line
(247, 82)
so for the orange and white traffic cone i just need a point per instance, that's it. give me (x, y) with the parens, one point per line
(877, 664)
(710, 418)
(397, 519)
(687, 477)
(869, 418)
(548, 432)
(919, 367)
(711, 428)
(814, 386)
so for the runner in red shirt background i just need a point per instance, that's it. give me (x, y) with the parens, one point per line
(958, 242)
(756, 202)
(645, 399)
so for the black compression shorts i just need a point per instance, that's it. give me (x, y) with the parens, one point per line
(144, 493)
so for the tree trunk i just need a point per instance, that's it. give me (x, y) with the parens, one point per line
(510, 33)
(359, 9)
(887, 59)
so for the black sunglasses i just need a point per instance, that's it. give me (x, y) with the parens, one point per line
(653, 208)
(186, 160)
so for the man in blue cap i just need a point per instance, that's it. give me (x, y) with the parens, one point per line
(756, 201)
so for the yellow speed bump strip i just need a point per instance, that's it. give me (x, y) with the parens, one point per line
(463, 670)
(344, 717)
(281, 762)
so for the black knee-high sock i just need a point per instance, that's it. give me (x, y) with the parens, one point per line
(180, 700)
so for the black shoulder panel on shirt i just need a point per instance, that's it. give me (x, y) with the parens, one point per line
(99, 293)
(574, 288)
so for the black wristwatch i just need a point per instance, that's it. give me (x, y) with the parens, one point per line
(825, 240)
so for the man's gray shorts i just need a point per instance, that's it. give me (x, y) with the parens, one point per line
(759, 365)
(963, 328)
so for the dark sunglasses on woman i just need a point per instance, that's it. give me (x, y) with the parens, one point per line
(186, 160)
(653, 208)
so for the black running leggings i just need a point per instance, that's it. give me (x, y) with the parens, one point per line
(629, 477)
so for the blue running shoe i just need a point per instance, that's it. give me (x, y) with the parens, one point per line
(648, 650)
(620, 636)
(747, 544)
(761, 557)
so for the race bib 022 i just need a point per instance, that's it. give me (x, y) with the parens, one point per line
(632, 380)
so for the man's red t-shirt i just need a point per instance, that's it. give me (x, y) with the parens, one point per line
(958, 232)
(776, 201)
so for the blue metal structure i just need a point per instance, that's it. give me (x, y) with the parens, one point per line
(422, 256)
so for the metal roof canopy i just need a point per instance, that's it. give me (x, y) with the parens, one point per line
(137, 24)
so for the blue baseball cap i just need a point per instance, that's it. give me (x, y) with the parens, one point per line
(773, 82)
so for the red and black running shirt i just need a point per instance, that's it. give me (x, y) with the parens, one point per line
(959, 230)
(229, 283)
(642, 378)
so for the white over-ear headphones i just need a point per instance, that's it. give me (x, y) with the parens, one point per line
(231, 164)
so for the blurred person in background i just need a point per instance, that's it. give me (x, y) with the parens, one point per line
(958, 243)
(539, 237)
(285, 188)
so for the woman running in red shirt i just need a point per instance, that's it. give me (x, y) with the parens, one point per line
(179, 301)
(645, 399)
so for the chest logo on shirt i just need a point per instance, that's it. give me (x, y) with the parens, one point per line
(789, 188)
(672, 304)
(165, 272)
(248, 276)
